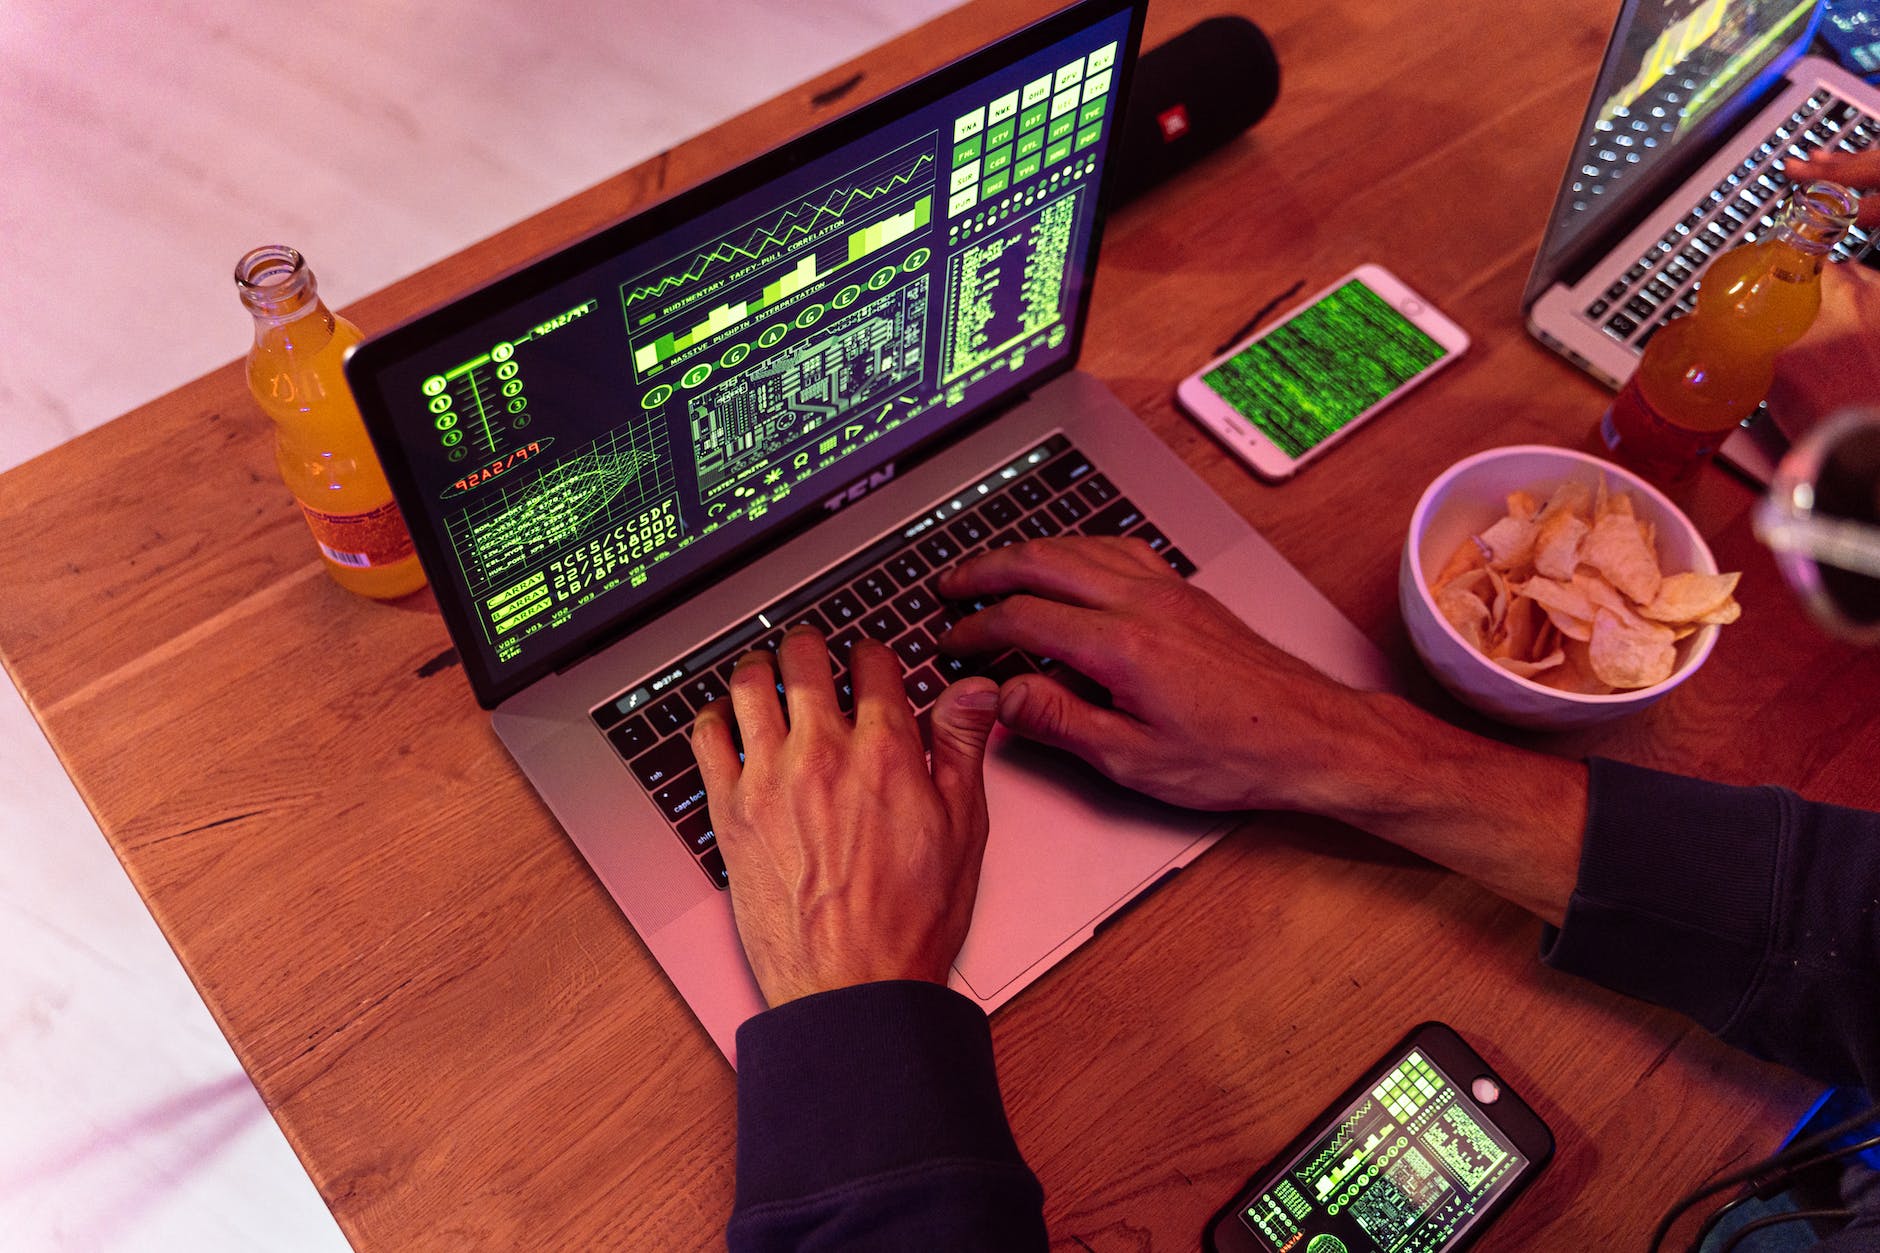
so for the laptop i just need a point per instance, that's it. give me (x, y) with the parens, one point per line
(793, 394)
(1697, 110)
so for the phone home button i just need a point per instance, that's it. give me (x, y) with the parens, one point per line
(1413, 307)
(1486, 1090)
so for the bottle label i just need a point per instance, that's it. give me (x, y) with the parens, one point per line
(361, 541)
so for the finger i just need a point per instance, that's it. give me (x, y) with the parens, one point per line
(754, 700)
(1041, 709)
(1077, 571)
(880, 699)
(1146, 557)
(963, 718)
(717, 755)
(1086, 638)
(809, 687)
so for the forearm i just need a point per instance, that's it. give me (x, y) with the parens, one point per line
(1749, 909)
(869, 1117)
(1510, 819)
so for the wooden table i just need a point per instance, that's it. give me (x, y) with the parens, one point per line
(469, 1047)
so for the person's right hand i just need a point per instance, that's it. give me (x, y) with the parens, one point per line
(1837, 363)
(1205, 713)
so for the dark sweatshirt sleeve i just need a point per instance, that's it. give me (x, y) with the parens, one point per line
(870, 1118)
(1752, 910)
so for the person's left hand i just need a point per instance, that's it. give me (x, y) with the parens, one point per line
(1837, 363)
(851, 860)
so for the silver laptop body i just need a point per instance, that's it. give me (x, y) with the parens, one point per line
(1067, 850)
(1681, 157)
(681, 421)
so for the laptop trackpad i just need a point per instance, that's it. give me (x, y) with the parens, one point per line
(1066, 846)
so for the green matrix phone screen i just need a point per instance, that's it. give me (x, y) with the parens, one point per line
(1311, 375)
(1408, 1167)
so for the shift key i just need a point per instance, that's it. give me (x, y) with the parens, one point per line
(684, 795)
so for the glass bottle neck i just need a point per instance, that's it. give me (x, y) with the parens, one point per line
(279, 290)
(1817, 218)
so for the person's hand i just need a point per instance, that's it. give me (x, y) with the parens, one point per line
(1204, 713)
(1207, 714)
(851, 860)
(1837, 362)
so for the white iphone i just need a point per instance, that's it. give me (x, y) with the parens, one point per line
(1292, 390)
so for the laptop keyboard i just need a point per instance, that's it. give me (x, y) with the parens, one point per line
(885, 592)
(1662, 284)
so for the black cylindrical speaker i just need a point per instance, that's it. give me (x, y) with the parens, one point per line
(1190, 96)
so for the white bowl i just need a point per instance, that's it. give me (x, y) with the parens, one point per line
(1464, 500)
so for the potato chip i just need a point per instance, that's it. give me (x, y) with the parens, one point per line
(1498, 607)
(1575, 674)
(1465, 612)
(1468, 556)
(1689, 596)
(1572, 497)
(1520, 627)
(1531, 669)
(1510, 542)
(1627, 655)
(1601, 594)
(1546, 639)
(1568, 608)
(1478, 580)
(1557, 545)
(1616, 549)
(1571, 594)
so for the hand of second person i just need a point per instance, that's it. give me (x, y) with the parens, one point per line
(1204, 712)
(851, 859)
(1837, 362)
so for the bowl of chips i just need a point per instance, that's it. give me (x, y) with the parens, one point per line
(1550, 589)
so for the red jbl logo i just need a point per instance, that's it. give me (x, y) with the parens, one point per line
(1174, 123)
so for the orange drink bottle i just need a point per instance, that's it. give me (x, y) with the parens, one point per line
(1705, 372)
(320, 440)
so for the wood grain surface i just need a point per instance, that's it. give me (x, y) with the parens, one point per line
(466, 1043)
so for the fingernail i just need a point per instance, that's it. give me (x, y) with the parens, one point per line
(1012, 700)
(980, 699)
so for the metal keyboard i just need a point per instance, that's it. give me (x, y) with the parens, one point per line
(885, 592)
(1662, 284)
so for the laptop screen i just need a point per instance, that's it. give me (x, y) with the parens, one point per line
(588, 436)
(1669, 69)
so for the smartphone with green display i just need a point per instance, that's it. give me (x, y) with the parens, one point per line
(1418, 1156)
(1296, 388)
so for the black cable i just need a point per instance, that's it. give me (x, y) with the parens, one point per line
(1748, 1229)
(1717, 1216)
(1779, 1162)
(1260, 317)
(1777, 1182)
